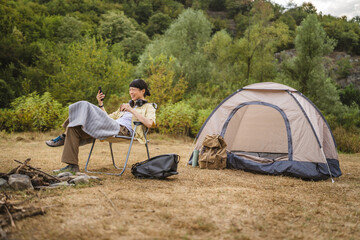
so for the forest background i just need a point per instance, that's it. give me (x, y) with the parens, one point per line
(193, 53)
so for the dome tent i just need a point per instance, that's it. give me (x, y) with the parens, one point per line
(274, 129)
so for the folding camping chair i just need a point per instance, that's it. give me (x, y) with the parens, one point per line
(120, 138)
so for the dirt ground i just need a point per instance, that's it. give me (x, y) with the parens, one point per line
(196, 204)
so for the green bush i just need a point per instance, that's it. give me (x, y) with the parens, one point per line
(347, 141)
(176, 118)
(33, 113)
(201, 117)
(350, 119)
(7, 94)
(349, 95)
(346, 129)
(6, 116)
(344, 67)
(113, 103)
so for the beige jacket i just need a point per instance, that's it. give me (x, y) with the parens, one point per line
(147, 110)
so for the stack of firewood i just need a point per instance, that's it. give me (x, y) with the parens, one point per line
(12, 211)
(38, 177)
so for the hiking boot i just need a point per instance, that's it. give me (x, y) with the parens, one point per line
(69, 168)
(56, 142)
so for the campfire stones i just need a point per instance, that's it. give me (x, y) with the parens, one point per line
(65, 176)
(3, 183)
(60, 184)
(80, 179)
(27, 177)
(20, 182)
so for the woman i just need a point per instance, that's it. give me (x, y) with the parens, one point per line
(86, 122)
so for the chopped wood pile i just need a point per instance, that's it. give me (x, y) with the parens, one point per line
(25, 177)
(11, 211)
(38, 177)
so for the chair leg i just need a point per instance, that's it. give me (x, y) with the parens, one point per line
(128, 153)
(88, 160)
(147, 149)
(112, 156)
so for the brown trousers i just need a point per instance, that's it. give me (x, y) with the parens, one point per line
(76, 137)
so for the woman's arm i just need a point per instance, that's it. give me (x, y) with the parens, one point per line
(100, 96)
(147, 122)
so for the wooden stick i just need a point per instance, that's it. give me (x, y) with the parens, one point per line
(48, 175)
(21, 215)
(8, 211)
(113, 205)
(10, 216)
(22, 165)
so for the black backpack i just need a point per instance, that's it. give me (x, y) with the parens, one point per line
(159, 167)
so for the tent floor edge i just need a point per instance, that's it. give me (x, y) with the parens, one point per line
(304, 170)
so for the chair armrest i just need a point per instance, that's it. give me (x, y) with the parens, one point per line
(137, 123)
(123, 137)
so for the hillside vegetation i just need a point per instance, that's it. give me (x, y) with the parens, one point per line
(192, 53)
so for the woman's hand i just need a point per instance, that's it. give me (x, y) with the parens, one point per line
(125, 107)
(100, 96)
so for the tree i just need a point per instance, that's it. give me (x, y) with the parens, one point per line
(226, 69)
(69, 30)
(309, 8)
(184, 40)
(347, 33)
(85, 66)
(134, 45)
(260, 41)
(164, 88)
(158, 23)
(143, 11)
(237, 6)
(297, 13)
(307, 70)
(7, 94)
(115, 26)
(350, 95)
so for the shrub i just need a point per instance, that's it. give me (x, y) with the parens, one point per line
(176, 118)
(201, 117)
(114, 101)
(344, 67)
(350, 95)
(347, 141)
(350, 119)
(164, 86)
(7, 94)
(33, 112)
(6, 116)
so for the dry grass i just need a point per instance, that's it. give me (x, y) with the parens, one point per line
(196, 204)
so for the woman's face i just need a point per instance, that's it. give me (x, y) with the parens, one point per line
(136, 93)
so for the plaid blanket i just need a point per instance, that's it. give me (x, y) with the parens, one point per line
(93, 120)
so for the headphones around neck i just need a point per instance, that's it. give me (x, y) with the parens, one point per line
(138, 103)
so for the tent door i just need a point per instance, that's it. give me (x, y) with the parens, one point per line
(258, 127)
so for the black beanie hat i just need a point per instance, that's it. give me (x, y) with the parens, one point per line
(141, 84)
